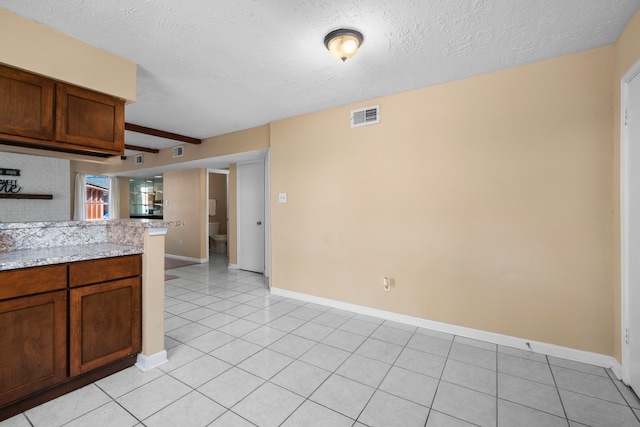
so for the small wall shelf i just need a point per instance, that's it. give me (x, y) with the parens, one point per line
(26, 196)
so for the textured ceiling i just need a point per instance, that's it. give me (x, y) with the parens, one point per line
(210, 67)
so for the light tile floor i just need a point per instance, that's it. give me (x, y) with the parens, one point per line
(242, 357)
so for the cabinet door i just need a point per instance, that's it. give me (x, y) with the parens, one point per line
(33, 341)
(26, 104)
(105, 323)
(89, 119)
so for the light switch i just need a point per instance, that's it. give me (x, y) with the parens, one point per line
(282, 197)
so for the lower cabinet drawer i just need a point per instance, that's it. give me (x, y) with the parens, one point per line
(105, 323)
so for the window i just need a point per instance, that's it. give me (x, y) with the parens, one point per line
(97, 197)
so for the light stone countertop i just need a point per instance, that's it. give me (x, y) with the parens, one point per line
(61, 254)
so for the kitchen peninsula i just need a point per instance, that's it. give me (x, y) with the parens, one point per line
(79, 300)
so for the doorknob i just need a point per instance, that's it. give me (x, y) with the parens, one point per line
(259, 223)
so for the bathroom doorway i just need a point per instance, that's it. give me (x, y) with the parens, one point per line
(217, 211)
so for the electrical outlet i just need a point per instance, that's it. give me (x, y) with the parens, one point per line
(386, 284)
(282, 197)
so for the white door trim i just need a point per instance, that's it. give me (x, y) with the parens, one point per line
(624, 217)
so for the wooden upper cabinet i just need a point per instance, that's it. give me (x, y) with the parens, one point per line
(40, 112)
(26, 104)
(89, 119)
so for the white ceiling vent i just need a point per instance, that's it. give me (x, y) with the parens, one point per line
(178, 151)
(138, 159)
(365, 116)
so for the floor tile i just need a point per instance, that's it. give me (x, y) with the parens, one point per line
(210, 341)
(596, 412)
(193, 410)
(343, 395)
(344, 340)
(429, 344)
(529, 393)
(577, 366)
(198, 313)
(68, 407)
(178, 356)
(265, 363)
(310, 414)
(127, 380)
(359, 327)
(292, 345)
(438, 419)
(286, 323)
(313, 331)
(188, 332)
(19, 420)
(268, 406)
(468, 405)
(181, 308)
(475, 343)
(473, 355)
(241, 310)
(175, 322)
(628, 394)
(390, 411)
(231, 386)
(391, 335)
(524, 354)
(109, 415)
(469, 376)
(410, 385)
(201, 370)
(301, 378)
(236, 351)
(379, 350)
(511, 414)
(330, 319)
(153, 396)
(420, 362)
(525, 368)
(263, 336)
(362, 369)
(305, 313)
(325, 357)
(589, 384)
(230, 419)
(436, 334)
(239, 327)
(217, 320)
(401, 326)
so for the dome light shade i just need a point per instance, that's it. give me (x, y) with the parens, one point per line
(343, 43)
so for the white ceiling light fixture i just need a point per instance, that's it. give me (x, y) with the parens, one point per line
(343, 43)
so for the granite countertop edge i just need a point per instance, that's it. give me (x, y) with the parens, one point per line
(138, 223)
(25, 258)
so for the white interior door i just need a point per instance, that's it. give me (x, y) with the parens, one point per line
(630, 196)
(251, 216)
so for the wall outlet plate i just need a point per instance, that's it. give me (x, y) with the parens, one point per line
(282, 197)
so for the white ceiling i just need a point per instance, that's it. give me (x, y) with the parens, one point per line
(207, 67)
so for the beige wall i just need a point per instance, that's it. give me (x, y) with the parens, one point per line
(627, 53)
(232, 235)
(51, 53)
(218, 191)
(185, 197)
(487, 200)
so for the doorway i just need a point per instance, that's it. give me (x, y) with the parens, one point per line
(630, 225)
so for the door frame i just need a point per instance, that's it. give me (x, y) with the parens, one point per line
(625, 186)
(267, 209)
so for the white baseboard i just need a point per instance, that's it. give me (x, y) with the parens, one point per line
(186, 258)
(492, 337)
(146, 363)
(233, 267)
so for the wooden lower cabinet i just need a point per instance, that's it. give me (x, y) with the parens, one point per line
(104, 323)
(65, 326)
(33, 342)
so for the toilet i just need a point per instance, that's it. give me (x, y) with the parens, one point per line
(220, 240)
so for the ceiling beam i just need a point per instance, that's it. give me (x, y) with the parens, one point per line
(161, 133)
(138, 148)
